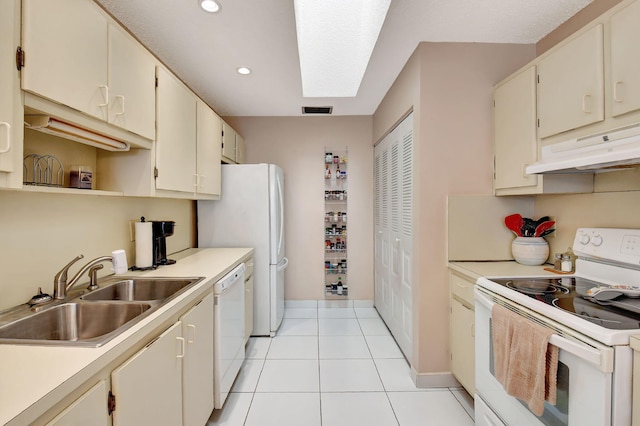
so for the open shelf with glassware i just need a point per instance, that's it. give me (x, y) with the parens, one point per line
(335, 223)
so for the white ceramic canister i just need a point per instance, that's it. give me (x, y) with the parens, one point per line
(530, 250)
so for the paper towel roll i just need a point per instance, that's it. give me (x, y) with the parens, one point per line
(144, 245)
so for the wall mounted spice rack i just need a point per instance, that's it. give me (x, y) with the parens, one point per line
(335, 223)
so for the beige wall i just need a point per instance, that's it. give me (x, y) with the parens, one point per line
(297, 145)
(598, 210)
(450, 88)
(40, 233)
(579, 20)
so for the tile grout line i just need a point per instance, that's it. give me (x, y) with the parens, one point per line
(386, 392)
(319, 375)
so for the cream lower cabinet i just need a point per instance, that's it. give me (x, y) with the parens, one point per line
(170, 381)
(89, 409)
(635, 345)
(462, 331)
(148, 387)
(197, 367)
(248, 300)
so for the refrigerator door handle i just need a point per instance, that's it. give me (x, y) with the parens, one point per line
(283, 264)
(281, 200)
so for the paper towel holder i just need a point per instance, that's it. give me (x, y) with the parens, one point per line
(144, 246)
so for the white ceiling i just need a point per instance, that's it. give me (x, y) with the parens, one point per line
(204, 49)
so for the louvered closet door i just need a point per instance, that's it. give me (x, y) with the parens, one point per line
(394, 223)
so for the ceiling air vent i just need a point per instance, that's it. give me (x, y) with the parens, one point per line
(317, 110)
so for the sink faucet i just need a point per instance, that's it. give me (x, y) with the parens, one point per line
(60, 285)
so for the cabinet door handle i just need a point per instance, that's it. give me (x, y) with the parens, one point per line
(121, 98)
(615, 91)
(182, 348)
(524, 170)
(473, 329)
(105, 94)
(191, 327)
(7, 132)
(196, 180)
(586, 99)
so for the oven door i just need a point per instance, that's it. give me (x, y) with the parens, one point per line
(584, 374)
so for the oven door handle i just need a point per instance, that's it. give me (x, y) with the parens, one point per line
(600, 357)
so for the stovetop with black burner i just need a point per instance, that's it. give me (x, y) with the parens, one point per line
(569, 294)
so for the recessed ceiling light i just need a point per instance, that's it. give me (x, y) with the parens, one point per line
(209, 6)
(335, 41)
(244, 71)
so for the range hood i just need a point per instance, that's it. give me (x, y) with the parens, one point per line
(603, 152)
(53, 126)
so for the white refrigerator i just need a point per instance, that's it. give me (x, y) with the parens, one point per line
(250, 213)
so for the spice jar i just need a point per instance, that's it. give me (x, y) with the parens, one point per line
(557, 264)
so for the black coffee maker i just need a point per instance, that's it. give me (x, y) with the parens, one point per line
(161, 230)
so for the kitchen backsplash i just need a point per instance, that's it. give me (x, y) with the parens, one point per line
(40, 233)
(476, 223)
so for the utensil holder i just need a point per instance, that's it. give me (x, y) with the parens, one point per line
(530, 250)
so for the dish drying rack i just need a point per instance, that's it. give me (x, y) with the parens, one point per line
(43, 170)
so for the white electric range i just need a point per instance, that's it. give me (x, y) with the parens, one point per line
(593, 314)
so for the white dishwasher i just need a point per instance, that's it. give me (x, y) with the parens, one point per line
(228, 337)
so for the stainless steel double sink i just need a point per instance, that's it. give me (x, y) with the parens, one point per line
(92, 318)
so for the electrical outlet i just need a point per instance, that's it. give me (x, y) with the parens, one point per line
(132, 230)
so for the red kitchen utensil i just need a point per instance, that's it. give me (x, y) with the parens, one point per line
(514, 223)
(544, 226)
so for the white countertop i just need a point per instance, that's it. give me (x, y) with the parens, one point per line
(500, 269)
(35, 378)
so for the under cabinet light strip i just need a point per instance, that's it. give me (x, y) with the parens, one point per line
(64, 130)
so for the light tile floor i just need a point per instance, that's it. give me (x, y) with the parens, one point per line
(334, 367)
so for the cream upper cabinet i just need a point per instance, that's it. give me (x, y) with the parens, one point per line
(11, 119)
(515, 142)
(208, 155)
(75, 56)
(571, 84)
(132, 85)
(625, 60)
(241, 150)
(228, 143)
(65, 44)
(176, 134)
